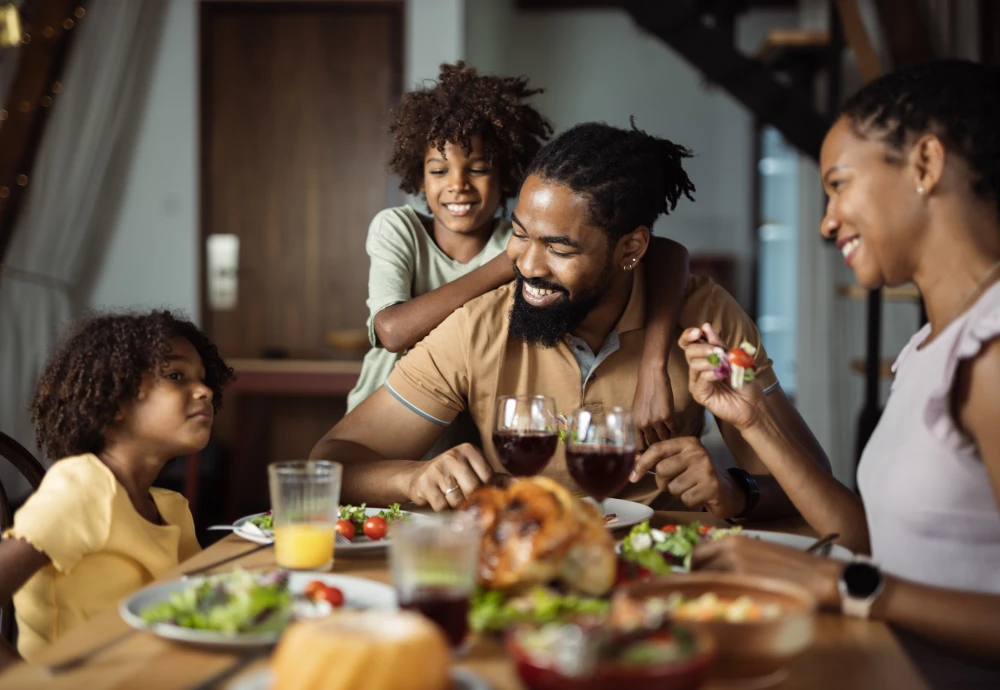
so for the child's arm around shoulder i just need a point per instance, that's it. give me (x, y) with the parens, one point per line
(401, 326)
(666, 287)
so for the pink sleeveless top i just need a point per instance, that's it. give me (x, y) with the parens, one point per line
(931, 512)
(932, 515)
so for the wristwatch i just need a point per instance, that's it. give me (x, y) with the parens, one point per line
(860, 584)
(746, 482)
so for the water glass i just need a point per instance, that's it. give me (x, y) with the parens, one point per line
(305, 503)
(433, 562)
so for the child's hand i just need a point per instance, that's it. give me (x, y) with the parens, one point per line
(653, 408)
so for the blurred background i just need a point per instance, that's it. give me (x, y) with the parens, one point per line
(224, 159)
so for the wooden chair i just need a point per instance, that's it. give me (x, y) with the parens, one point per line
(32, 470)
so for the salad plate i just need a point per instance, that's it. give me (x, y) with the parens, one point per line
(238, 609)
(256, 527)
(261, 679)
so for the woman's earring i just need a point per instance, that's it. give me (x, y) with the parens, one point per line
(920, 190)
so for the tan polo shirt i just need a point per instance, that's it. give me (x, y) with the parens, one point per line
(469, 359)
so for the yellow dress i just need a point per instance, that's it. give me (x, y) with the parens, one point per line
(101, 549)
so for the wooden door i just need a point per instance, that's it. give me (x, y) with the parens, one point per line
(294, 99)
(294, 151)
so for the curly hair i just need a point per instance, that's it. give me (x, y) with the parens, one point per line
(957, 100)
(99, 366)
(460, 105)
(631, 177)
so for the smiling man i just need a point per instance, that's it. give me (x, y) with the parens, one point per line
(570, 326)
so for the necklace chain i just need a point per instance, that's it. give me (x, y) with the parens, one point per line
(974, 291)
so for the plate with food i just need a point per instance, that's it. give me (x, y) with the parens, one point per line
(365, 528)
(242, 609)
(649, 551)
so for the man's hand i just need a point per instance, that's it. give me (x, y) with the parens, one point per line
(684, 468)
(653, 407)
(447, 480)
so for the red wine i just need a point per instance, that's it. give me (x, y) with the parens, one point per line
(525, 453)
(447, 607)
(601, 471)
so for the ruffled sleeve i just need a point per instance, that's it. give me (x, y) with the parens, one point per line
(980, 327)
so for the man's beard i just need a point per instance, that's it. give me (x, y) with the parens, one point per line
(546, 326)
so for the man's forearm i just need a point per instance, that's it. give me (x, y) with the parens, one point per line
(773, 501)
(368, 477)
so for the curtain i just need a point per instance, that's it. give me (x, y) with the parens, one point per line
(73, 196)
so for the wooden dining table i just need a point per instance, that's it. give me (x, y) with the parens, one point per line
(846, 653)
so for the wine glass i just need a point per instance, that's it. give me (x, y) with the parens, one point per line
(600, 450)
(525, 433)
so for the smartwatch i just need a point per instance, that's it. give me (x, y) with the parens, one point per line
(746, 482)
(860, 584)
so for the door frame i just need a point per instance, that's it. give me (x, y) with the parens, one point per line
(395, 9)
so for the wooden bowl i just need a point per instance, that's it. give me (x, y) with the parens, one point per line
(354, 340)
(750, 649)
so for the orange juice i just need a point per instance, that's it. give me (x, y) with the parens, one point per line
(304, 546)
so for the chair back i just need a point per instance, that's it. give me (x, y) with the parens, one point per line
(32, 470)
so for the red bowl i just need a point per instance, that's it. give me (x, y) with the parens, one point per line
(686, 674)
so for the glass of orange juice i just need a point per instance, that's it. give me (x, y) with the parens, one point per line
(305, 502)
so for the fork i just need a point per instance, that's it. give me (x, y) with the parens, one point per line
(823, 546)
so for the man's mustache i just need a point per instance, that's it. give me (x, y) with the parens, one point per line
(538, 283)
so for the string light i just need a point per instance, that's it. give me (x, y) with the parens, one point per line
(3, 115)
(22, 180)
(4, 192)
(48, 32)
(56, 87)
(24, 106)
(79, 13)
(46, 101)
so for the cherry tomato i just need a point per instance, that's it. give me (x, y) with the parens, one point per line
(669, 528)
(313, 588)
(375, 527)
(740, 358)
(332, 595)
(643, 573)
(705, 529)
(346, 528)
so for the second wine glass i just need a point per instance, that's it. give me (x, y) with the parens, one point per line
(600, 450)
(525, 433)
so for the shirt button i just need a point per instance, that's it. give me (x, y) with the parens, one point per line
(593, 377)
(580, 348)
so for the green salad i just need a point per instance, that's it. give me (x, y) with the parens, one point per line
(356, 515)
(662, 551)
(494, 611)
(265, 521)
(231, 603)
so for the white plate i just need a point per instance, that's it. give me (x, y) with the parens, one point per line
(361, 543)
(358, 593)
(629, 512)
(461, 679)
(794, 541)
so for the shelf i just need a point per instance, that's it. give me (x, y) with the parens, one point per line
(884, 369)
(904, 293)
(784, 47)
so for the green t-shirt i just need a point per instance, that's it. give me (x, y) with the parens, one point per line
(406, 263)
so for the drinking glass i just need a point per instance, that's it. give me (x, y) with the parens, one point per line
(305, 503)
(525, 433)
(433, 564)
(600, 450)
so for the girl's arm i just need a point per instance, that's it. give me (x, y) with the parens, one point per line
(401, 326)
(19, 560)
(666, 287)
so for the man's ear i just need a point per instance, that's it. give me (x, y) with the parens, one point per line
(632, 247)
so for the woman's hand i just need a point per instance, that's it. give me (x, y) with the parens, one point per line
(738, 554)
(740, 408)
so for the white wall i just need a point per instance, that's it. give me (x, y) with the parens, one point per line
(152, 254)
(597, 65)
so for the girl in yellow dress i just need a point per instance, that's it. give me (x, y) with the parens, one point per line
(125, 394)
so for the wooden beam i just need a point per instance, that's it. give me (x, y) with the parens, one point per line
(906, 32)
(857, 38)
(34, 92)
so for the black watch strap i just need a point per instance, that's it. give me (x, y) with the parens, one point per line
(750, 489)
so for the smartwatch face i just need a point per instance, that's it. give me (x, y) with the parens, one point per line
(862, 579)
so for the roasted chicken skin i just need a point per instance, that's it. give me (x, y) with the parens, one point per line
(536, 532)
